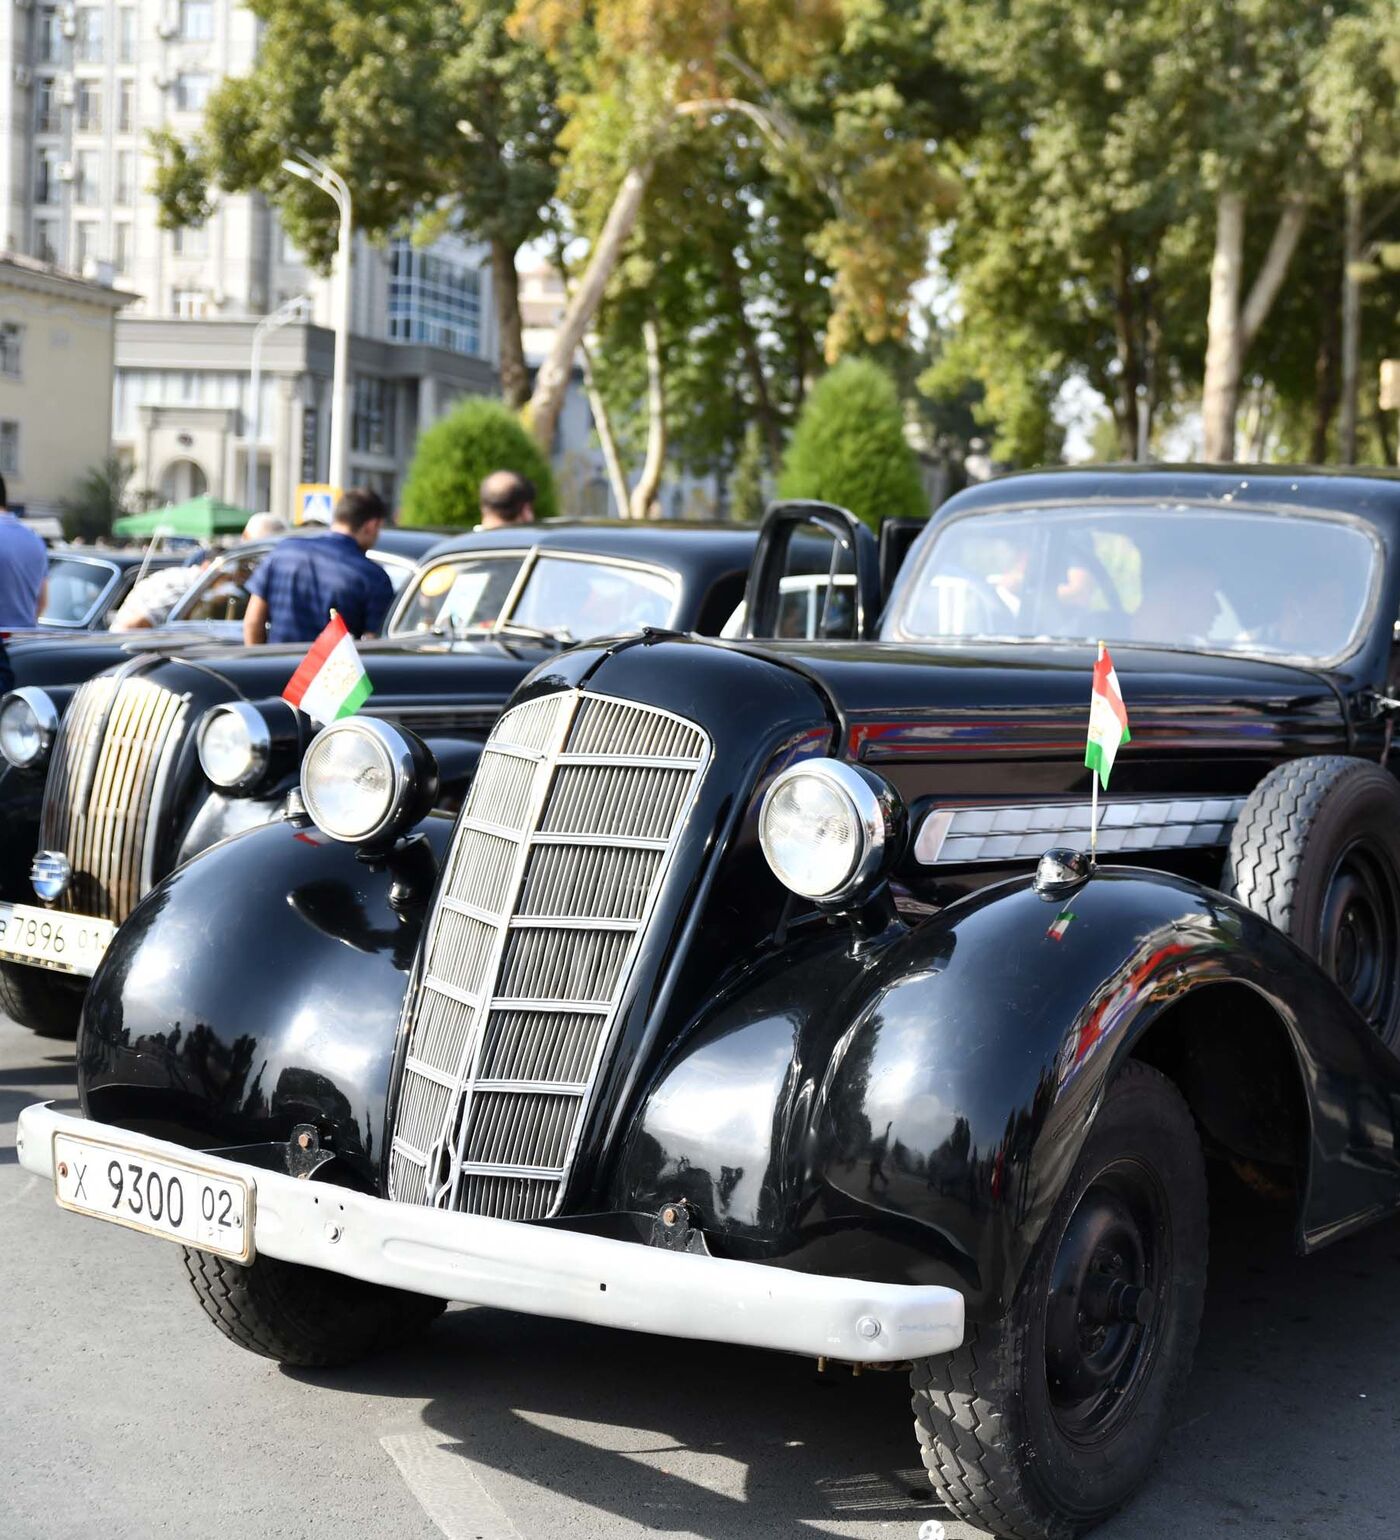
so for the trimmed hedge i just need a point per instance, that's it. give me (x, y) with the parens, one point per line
(849, 448)
(458, 452)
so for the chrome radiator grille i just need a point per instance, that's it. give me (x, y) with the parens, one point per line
(103, 794)
(554, 870)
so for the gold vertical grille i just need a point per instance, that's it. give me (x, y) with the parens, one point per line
(102, 797)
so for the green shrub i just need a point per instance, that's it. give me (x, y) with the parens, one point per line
(454, 456)
(848, 447)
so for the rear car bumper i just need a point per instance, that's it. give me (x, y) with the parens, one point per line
(558, 1273)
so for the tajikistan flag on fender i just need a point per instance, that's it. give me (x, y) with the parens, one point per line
(330, 681)
(1108, 719)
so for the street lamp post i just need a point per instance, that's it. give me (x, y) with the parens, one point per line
(293, 310)
(310, 168)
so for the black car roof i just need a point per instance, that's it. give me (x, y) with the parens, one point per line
(122, 559)
(1373, 494)
(695, 548)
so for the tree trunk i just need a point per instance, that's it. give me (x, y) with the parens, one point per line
(505, 285)
(553, 378)
(1351, 314)
(1325, 388)
(644, 493)
(1231, 327)
(617, 478)
(1224, 349)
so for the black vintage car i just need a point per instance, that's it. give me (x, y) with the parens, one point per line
(762, 992)
(109, 780)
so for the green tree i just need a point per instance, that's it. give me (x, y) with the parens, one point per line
(1076, 244)
(99, 498)
(849, 448)
(454, 456)
(842, 97)
(431, 111)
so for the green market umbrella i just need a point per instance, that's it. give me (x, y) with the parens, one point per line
(201, 518)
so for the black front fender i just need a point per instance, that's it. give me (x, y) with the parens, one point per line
(260, 987)
(913, 1114)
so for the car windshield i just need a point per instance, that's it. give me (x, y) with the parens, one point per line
(564, 596)
(1212, 579)
(74, 587)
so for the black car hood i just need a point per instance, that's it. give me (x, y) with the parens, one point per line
(885, 678)
(405, 670)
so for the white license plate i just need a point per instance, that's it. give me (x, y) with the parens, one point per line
(177, 1200)
(73, 943)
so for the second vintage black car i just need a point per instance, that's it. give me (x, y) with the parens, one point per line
(762, 992)
(110, 779)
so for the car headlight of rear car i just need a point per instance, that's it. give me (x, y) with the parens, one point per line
(234, 746)
(365, 781)
(28, 723)
(830, 830)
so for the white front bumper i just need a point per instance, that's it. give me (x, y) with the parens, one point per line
(558, 1273)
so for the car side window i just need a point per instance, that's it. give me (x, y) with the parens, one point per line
(223, 594)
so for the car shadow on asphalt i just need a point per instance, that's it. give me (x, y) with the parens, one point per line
(1289, 1415)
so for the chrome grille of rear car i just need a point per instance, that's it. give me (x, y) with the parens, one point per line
(102, 799)
(554, 870)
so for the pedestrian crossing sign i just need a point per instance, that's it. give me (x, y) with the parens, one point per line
(315, 502)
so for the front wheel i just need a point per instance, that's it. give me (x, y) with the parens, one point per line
(301, 1315)
(47, 1003)
(1046, 1421)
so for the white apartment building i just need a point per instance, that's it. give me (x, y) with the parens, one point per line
(81, 87)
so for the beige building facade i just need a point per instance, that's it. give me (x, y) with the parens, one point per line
(57, 356)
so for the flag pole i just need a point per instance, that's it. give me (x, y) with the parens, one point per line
(1094, 799)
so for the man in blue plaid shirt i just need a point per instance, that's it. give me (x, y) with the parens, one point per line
(293, 592)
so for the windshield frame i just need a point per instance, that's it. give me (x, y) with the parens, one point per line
(114, 572)
(529, 558)
(891, 631)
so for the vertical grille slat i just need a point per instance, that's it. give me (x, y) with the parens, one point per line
(115, 745)
(541, 932)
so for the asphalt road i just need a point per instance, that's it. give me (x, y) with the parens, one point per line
(126, 1414)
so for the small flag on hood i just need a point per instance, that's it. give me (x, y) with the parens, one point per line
(1108, 719)
(330, 681)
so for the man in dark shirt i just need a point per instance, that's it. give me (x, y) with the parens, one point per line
(293, 592)
(24, 581)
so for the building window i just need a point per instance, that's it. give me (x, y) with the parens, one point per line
(192, 91)
(9, 448)
(87, 181)
(433, 299)
(89, 234)
(197, 20)
(47, 117)
(46, 183)
(89, 106)
(50, 36)
(124, 181)
(126, 106)
(11, 349)
(88, 48)
(192, 241)
(190, 304)
(372, 416)
(46, 240)
(126, 34)
(121, 247)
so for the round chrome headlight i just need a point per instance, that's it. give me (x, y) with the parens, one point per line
(234, 745)
(28, 723)
(828, 829)
(363, 780)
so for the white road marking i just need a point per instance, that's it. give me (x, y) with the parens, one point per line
(441, 1478)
